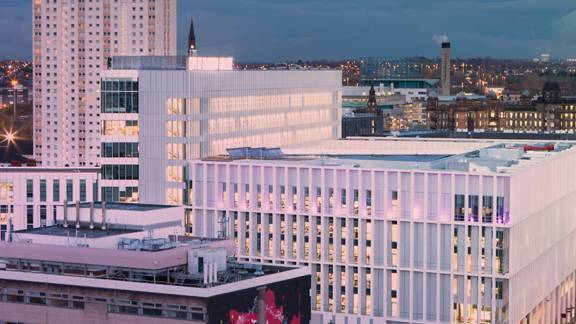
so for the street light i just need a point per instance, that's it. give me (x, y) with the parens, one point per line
(9, 138)
(14, 83)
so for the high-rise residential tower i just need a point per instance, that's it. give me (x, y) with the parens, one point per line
(72, 43)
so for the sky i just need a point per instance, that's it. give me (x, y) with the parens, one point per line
(276, 30)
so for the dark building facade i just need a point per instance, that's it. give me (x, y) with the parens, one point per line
(362, 125)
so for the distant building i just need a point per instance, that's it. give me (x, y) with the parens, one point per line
(412, 89)
(23, 96)
(370, 111)
(393, 67)
(362, 125)
(129, 263)
(550, 112)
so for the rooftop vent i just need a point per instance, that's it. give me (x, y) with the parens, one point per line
(262, 153)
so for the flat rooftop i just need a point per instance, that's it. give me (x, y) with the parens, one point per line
(122, 206)
(166, 267)
(464, 155)
(83, 231)
(395, 157)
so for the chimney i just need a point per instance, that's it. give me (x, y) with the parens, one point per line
(65, 213)
(103, 215)
(445, 69)
(92, 215)
(77, 213)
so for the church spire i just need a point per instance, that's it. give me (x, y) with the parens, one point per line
(372, 105)
(192, 40)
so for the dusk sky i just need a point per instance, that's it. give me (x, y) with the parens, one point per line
(274, 30)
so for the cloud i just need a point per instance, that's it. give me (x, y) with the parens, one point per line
(566, 26)
(16, 30)
(273, 30)
(439, 39)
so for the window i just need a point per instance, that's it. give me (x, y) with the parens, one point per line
(175, 151)
(29, 190)
(82, 190)
(459, 208)
(120, 194)
(176, 106)
(55, 190)
(174, 174)
(69, 190)
(42, 190)
(174, 196)
(175, 128)
(119, 150)
(6, 192)
(120, 127)
(43, 215)
(120, 172)
(119, 96)
(29, 216)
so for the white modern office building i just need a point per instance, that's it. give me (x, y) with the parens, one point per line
(159, 113)
(72, 41)
(405, 230)
(29, 196)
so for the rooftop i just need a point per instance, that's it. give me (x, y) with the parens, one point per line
(165, 271)
(83, 231)
(124, 206)
(479, 156)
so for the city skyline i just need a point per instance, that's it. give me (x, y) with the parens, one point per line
(257, 30)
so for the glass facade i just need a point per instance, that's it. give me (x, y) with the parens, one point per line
(120, 194)
(119, 150)
(120, 127)
(120, 172)
(119, 96)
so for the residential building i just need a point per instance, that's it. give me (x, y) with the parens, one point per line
(72, 41)
(29, 196)
(128, 263)
(405, 230)
(549, 112)
(7, 94)
(159, 113)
